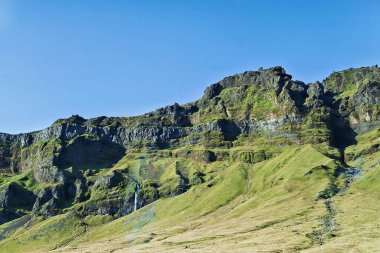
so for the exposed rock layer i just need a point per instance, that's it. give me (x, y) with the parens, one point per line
(264, 103)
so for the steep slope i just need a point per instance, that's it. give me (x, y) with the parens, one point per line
(260, 162)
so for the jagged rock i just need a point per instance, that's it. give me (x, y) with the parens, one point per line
(366, 103)
(213, 90)
(265, 103)
(109, 181)
(351, 79)
(273, 78)
(75, 119)
(292, 98)
(14, 197)
(80, 190)
(49, 174)
(45, 195)
(49, 209)
(5, 156)
(115, 207)
(107, 207)
(48, 199)
(86, 150)
(178, 115)
(315, 98)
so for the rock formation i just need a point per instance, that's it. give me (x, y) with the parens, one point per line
(63, 164)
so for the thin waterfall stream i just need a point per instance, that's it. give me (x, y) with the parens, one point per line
(138, 187)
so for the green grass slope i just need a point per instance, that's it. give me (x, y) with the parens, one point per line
(273, 205)
(299, 200)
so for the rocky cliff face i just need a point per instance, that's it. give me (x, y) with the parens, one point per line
(63, 164)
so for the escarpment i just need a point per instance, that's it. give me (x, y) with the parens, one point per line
(95, 166)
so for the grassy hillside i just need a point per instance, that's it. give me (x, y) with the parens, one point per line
(273, 205)
(260, 163)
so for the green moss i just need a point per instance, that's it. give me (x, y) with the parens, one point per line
(40, 154)
(250, 156)
(46, 235)
(350, 90)
(171, 181)
(286, 183)
(97, 220)
(149, 191)
(25, 179)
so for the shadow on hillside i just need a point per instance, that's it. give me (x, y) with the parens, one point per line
(343, 136)
(90, 154)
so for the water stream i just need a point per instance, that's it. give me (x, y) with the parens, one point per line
(138, 187)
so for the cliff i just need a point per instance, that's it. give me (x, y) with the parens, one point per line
(110, 166)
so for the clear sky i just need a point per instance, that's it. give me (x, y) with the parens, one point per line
(121, 58)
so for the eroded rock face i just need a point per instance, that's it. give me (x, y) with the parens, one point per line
(48, 209)
(5, 156)
(116, 205)
(315, 96)
(48, 174)
(345, 80)
(365, 104)
(264, 103)
(14, 195)
(84, 151)
(108, 181)
(350, 97)
(80, 190)
(357, 93)
(12, 198)
(352, 94)
(177, 115)
(273, 78)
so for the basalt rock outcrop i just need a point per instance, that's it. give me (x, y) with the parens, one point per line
(63, 165)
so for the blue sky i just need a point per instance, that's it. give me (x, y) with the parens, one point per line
(121, 58)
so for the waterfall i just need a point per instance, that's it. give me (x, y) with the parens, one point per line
(135, 201)
(136, 196)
